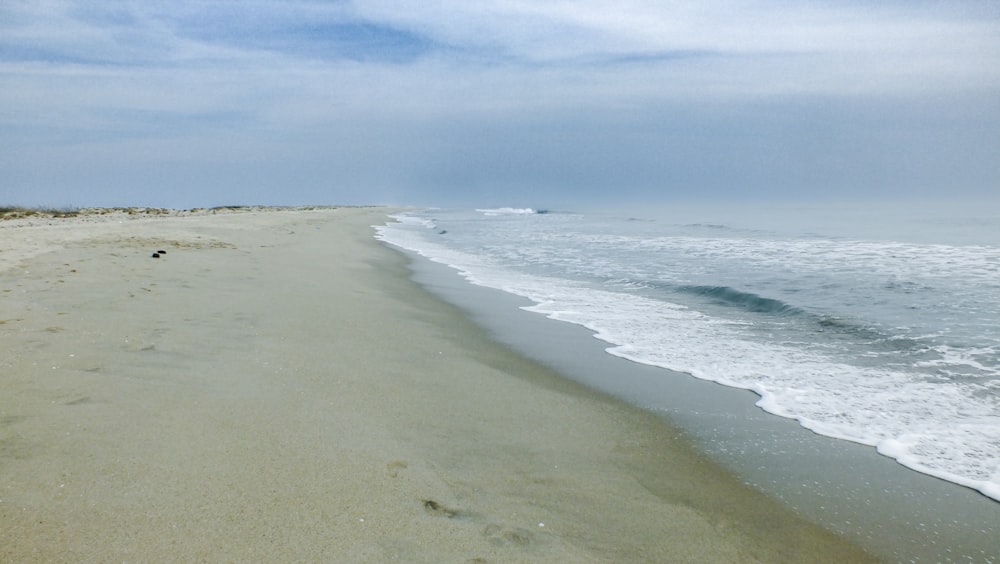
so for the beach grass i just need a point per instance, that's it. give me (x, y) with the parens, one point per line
(14, 212)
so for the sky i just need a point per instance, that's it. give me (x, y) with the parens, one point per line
(192, 103)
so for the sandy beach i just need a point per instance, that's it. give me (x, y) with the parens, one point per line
(274, 387)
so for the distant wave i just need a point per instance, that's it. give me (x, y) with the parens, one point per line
(508, 211)
(708, 225)
(746, 300)
(877, 340)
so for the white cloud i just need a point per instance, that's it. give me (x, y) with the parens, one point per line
(746, 47)
(563, 29)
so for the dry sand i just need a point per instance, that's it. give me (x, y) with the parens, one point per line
(275, 388)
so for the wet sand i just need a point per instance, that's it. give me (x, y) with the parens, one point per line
(274, 387)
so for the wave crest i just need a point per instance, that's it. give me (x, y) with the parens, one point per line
(749, 301)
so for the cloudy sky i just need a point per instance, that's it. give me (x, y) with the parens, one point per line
(188, 103)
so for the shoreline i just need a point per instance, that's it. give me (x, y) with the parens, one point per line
(892, 511)
(276, 387)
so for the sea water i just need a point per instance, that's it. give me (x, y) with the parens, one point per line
(880, 326)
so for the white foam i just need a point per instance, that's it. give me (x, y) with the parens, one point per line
(945, 426)
(970, 357)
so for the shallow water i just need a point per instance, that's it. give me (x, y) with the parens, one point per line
(878, 327)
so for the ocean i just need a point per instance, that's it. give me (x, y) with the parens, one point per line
(875, 324)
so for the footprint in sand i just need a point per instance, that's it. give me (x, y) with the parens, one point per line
(395, 468)
(438, 510)
(502, 535)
